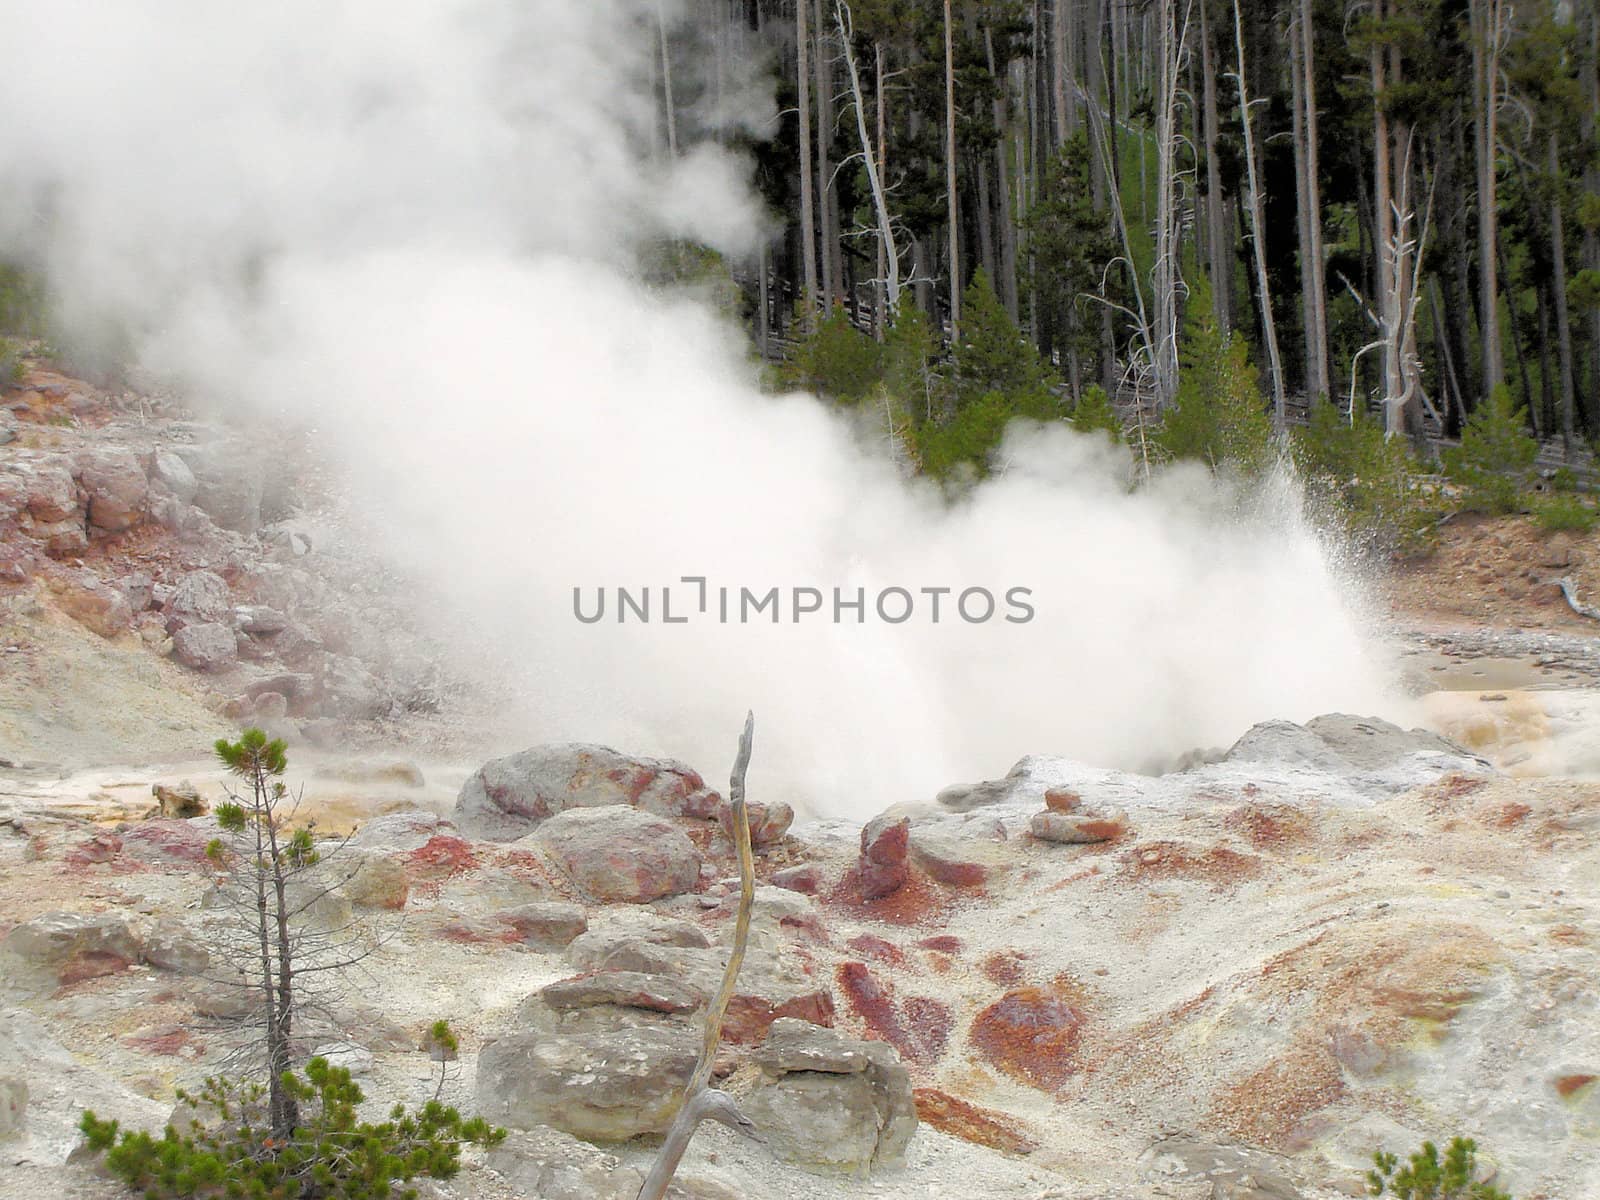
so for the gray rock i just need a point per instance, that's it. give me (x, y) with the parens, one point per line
(180, 801)
(13, 1104)
(626, 989)
(618, 854)
(603, 1085)
(509, 797)
(399, 832)
(820, 1116)
(1372, 744)
(209, 646)
(174, 474)
(57, 937)
(964, 797)
(1234, 1172)
(201, 597)
(230, 482)
(171, 947)
(258, 618)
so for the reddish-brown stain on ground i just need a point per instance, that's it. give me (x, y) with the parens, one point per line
(944, 943)
(876, 948)
(1032, 1034)
(1568, 1086)
(1218, 865)
(919, 1029)
(981, 1126)
(1004, 967)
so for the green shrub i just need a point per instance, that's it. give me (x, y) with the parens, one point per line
(1494, 463)
(1565, 512)
(330, 1154)
(1425, 1177)
(837, 361)
(1361, 482)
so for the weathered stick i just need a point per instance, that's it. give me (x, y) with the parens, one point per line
(701, 1102)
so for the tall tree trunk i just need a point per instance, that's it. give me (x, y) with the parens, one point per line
(1486, 23)
(808, 218)
(1168, 278)
(1589, 106)
(1065, 103)
(888, 258)
(831, 280)
(950, 171)
(1218, 243)
(1269, 325)
(1006, 279)
(1317, 378)
(666, 80)
(1558, 293)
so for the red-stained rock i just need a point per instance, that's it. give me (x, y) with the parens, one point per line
(90, 964)
(1030, 1034)
(93, 603)
(1078, 828)
(166, 841)
(619, 854)
(885, 843)
(749, 1017)
(545, 924)
(1062, 800)
(442, 855)
(943, 943)
(165, 1040)
(116, 488)
(768, 822)
(804, 879)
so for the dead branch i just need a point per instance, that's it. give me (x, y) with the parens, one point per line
(701, 1102)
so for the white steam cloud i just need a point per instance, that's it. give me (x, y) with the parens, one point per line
(410, 223)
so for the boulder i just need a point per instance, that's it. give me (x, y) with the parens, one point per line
(92, 602)
(230, 482)
(830, 1101)
(618, 854)
(509, 797)
(169, 842)
(545, 924)
(174, 474)
(626, 989)
(259, 619)
(170, 946)
(74, 946)
(885, 843)
(958, 849)
(200, 597)
(964, 797)
(181, 800)
(209, 646)
(608, 1085)
(53, 496)
(768, 822)
(1078, 827)
(769, 987)
(116, 487)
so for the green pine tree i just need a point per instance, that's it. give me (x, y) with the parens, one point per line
(1495, 462)
(993, 356)
(1219, 417)
(838, 361)
(1361, 482)
(1096, 414)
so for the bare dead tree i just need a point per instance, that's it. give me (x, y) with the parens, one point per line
(888, 255)
(274, 877)
(700, 1101)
